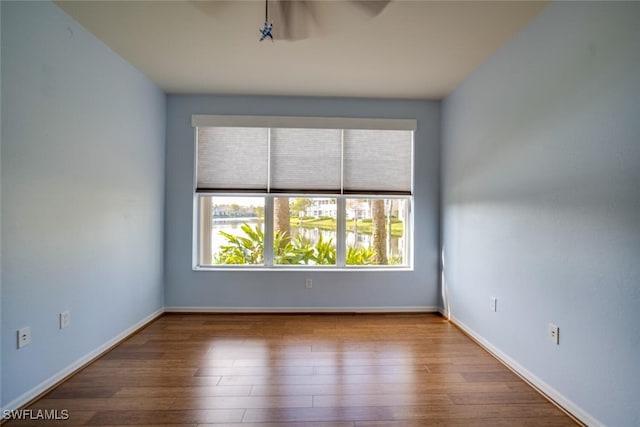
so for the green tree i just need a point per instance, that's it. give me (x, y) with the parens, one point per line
(300, 205)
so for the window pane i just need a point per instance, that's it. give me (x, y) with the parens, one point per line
(304, 231)
(377, 231)
(236, 230)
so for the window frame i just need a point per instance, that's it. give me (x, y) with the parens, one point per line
(341, 232)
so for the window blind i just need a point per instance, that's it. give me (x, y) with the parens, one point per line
(303, 159)
(377, 161)
(232, 158)
(306, 160)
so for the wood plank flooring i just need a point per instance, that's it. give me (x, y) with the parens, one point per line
(359, 370)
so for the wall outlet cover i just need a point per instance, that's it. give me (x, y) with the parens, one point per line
(554, 333)
(24, 336)
(65, 319)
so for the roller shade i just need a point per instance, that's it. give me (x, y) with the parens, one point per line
(232, 158)
(377, 161)
(306, 160)
(303, 159)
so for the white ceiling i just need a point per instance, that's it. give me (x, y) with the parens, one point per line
(413, 49)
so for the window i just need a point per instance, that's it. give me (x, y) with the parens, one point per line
(232, 230)
(282, 192)
(304, 231)
(392, 245)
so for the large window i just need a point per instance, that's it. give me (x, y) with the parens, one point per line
(273, 192)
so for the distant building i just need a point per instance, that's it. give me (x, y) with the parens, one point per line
(322, 207)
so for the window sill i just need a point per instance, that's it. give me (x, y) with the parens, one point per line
(304, 268)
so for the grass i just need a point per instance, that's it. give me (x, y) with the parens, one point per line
(364, 226)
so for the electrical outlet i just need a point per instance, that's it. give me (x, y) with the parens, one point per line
(308, 283)
(24, 336)
(554, 333)
(65, 319)
(493, 304)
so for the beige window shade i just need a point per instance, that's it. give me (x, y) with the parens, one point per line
(377, 161)
(232, 158)
(305, 159)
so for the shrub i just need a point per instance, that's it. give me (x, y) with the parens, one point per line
(249, 249)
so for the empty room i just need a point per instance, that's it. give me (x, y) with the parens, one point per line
(320, 213)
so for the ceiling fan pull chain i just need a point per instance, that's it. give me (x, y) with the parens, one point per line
(265, 32)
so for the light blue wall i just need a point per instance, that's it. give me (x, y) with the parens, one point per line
(187, 288)
(82, 193)
(541, 203)
(0, 214)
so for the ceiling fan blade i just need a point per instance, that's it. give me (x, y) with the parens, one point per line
(209, 7)
(371, 7)
(299, 19)
(293, 20)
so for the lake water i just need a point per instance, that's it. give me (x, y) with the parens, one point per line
(232, 226)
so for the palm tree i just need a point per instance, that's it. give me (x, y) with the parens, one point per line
(379, 243)
(281, 218)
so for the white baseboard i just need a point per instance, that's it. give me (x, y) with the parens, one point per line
(413, 309)
(26, 397)
(551, 393)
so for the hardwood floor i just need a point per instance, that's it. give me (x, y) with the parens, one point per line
(298, 370)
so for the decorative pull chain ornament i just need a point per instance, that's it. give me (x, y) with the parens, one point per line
(265, 32)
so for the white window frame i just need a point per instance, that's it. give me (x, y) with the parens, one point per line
(300, 122)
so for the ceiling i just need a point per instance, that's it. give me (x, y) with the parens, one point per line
(413, 49)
